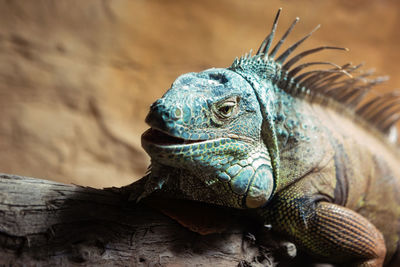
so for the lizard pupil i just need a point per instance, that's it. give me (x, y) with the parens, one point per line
(226, 110)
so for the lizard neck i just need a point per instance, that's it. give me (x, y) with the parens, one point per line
(303, 143)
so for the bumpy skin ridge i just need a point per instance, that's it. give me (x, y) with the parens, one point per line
(234, 137)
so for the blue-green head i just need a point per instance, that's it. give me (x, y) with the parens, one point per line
(209, 123)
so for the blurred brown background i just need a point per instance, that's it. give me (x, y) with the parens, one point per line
(77, 77)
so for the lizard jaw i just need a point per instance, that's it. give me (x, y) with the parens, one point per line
(234, 163)
(163, 146)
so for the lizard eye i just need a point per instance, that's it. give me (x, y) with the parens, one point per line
(227, 108)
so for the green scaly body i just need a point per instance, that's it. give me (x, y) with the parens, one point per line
(299, 148)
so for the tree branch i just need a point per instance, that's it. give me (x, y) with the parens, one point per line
(48, 223)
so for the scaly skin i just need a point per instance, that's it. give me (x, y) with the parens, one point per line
(237, 137)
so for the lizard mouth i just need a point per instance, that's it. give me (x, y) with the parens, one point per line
(157, 137)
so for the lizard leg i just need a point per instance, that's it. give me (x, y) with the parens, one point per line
(347, 234)
(336, 234)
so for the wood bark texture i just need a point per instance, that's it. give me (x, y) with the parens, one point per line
(45, 223)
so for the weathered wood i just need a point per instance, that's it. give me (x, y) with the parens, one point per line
(47, 223)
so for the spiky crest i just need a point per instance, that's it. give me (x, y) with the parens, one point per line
(345, 84)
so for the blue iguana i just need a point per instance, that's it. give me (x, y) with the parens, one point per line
(309, 151)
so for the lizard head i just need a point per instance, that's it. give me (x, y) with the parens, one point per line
(209, 123)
